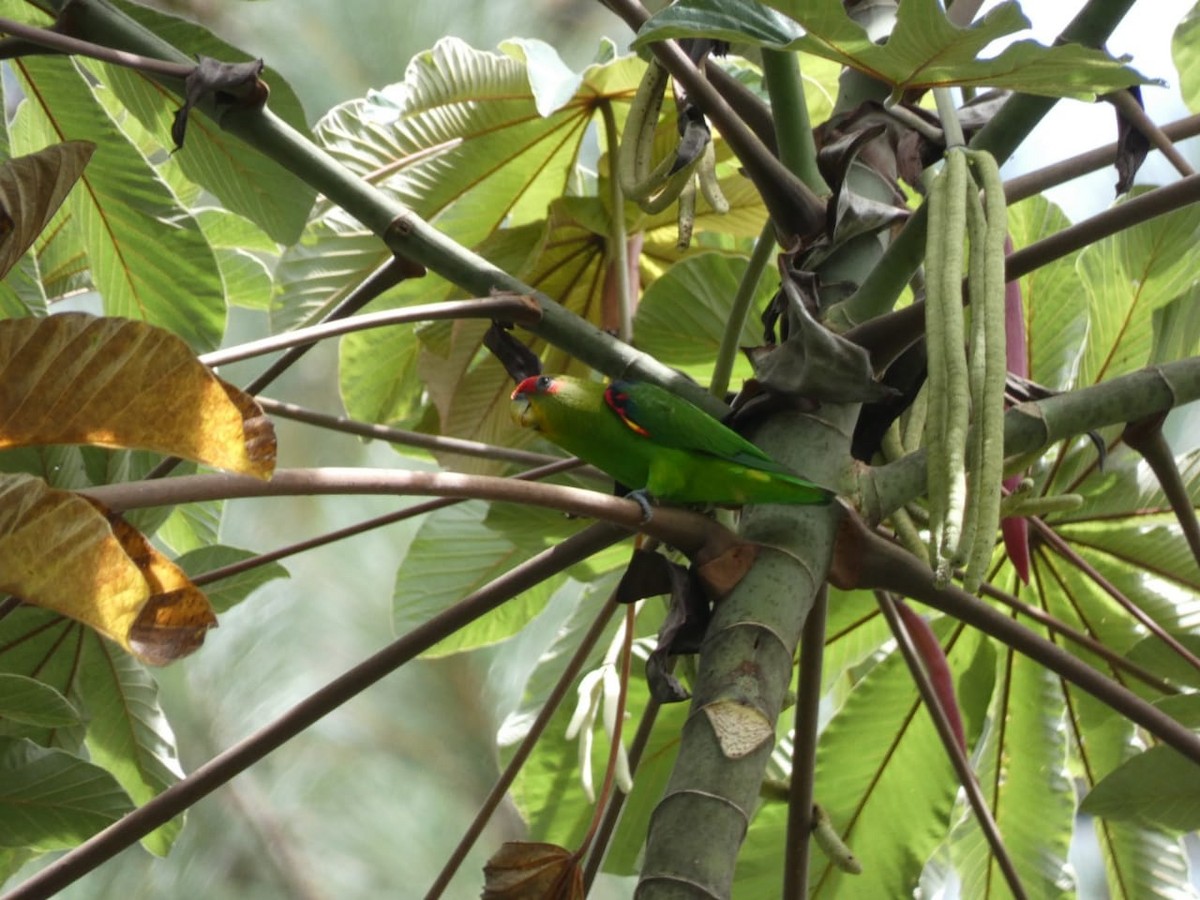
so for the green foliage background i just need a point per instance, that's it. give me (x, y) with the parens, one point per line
(391, 777)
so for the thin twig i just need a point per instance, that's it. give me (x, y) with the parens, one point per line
(56, 40)
(1054, 541)
(388, 275)
(409, 512)
(1042, 179)
(804, 750)
(402, 436)
(1085, 641)
(1132, 110)
(957, 754)
(524, 749)
(515, 308)
(877, 563)
(683, 529)
(219, 770)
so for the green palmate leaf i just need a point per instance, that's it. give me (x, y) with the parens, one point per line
(21, 292)
(925, 50)
(462, 143)
(1150, 654)
(1022, 766)
(1126, 278)
(127, 733)
(228, 592)
(854, 632)
(191, 526)
(37, 643)
(454, 553)
(879, 763)
(245, 181)
(1055, 308)
(122, 210)
(240, 248)
(1159, 786)
(683, 314)
(1185, 48)
(378, 368)
(24, 701)
(51, 800)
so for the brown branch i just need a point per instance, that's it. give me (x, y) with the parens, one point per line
(1146, 437)
(949, 739)
(1054, 541)
(1127, 106)
(62, 43)
(512, 307)
(1035, 182)
(804, 750)
(402, 436)
(500, 789)
(685, 530)
(409, 512)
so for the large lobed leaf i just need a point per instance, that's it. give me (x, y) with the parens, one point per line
(924, 49)
(124, 214)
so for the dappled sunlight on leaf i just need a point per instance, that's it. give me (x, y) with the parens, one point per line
(78, 379)
(59, 552)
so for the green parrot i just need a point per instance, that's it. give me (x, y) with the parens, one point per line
(656, 443)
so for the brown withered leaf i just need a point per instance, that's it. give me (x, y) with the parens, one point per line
(227, 84)
(79, 379)
(58, 551)
(526, 870)
(176, 616)
(31, 190)
(722, 574)
(688, 613)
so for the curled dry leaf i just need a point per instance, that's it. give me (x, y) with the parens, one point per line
(721, 574)
(31, 190)
(523, 870)
(60, 552)
(79, 379)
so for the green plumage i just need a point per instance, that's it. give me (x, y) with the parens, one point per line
(649, 439)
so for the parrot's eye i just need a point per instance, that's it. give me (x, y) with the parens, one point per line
(543, 383)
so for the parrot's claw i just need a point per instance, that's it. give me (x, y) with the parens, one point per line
(642, 499)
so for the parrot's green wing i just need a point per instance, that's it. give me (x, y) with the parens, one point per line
(670, 421)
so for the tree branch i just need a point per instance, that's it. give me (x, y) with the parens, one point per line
(685, 530)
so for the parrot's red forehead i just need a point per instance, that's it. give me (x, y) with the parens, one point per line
(535, 384)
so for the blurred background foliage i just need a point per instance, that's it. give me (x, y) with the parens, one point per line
(370, 802)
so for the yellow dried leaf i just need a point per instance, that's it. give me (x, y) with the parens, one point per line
(525, 870)
(59, 551)
(31, 189)
(79, 379)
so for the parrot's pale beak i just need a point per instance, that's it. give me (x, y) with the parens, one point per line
(522, 412)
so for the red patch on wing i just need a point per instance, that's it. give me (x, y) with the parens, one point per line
(618, 402)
